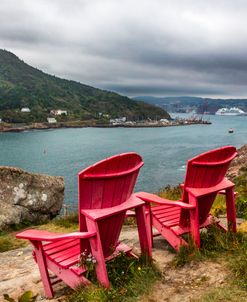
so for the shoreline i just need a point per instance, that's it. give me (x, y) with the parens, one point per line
(45, 126)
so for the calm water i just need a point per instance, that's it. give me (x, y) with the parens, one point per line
(165, 150)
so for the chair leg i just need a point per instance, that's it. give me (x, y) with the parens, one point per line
(231, 211)
(43, 269)
(150, 223)
(194, 221)
(143, 231)
(97, 252)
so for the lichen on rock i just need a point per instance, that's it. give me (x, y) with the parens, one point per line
(28, 197)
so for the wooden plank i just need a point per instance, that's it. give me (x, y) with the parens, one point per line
(65, 254)
(63, 247)
(161, 213)
(168, 216)
(55, 244)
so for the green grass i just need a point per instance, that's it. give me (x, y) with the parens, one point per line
(9, 242)
(218, 244)
(70, 221)
(60, 224)
(240, 182)
(172, 193)
(228, 293)
(129, 277)
(219, 206)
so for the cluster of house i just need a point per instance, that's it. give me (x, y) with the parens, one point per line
(123, 121)
(50, 120)
(118, 121)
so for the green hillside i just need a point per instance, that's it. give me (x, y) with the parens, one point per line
(21, 85)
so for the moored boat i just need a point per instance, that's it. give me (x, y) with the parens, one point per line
(231, 111)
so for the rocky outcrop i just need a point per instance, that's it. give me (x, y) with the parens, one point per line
(28, 197)
(239, 164)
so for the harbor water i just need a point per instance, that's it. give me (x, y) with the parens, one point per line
(65, 152)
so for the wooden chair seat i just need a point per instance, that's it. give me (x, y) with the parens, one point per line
(65, 253)
(166, 215)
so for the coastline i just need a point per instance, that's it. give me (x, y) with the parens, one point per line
(46, 126)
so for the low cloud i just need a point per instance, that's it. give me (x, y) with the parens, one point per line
(134, 47)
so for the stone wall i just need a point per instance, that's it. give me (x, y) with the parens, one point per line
(28, 197)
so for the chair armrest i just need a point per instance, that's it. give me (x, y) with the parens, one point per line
(148, 197)
(199, 192)
(96, 214)
(37, 235)
(223, 192)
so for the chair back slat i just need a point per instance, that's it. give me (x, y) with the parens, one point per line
(205, 171)
(108, 183)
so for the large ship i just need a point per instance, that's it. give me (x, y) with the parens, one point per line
(231, 111)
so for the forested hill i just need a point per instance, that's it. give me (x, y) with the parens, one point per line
(21, 85)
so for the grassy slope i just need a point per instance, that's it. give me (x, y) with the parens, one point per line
(24, 86)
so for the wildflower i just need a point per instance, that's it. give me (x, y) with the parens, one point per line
(139, 268)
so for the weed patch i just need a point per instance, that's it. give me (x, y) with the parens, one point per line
(229, 293)
(129, 277)
(172, 193)
(9, 242)
(218, 244)
(214, 242)
(67, 222)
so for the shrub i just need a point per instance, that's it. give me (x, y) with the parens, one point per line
(129, 277)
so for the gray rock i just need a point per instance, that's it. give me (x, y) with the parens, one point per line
(28, 197)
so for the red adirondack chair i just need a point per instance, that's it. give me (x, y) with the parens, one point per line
(105, 195)
(205, 178)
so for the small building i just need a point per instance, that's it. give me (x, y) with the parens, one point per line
(25, 109)
(51, 120)
(118, 121)
(59, 112)
(164, 120)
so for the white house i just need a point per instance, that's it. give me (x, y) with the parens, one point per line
(51, 120)
(58, 112)
(164, 120)
(25, 109)
(118, 121)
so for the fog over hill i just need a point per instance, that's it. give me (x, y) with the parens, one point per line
(180, 103)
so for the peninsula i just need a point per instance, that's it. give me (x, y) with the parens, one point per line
(28, 96)
(6, 127)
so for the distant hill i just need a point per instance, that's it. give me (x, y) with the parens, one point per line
(178, 103)
(21, 85)
(167, 100)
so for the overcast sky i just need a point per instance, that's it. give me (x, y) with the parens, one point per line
(156, 47)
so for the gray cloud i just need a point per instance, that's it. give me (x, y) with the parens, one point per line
(156, 47)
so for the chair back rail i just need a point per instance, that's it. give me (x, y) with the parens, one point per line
(108, 183)
(205, 171)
